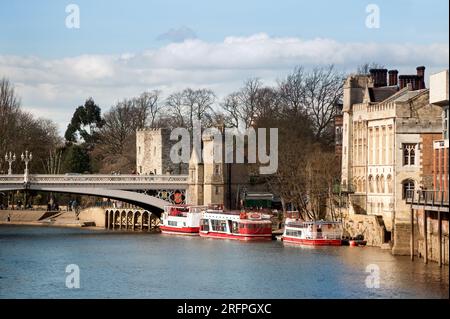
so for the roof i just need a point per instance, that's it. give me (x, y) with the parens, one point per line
(379, 94)
(409, 95)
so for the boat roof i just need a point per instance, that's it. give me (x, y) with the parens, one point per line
(313, 222)
(255, 221)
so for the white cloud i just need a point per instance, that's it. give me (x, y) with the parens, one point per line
(59, 85)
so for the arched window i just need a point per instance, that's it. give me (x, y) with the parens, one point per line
(371, 186)
(377, 184)
(382, 184)
(389, 183)
(408, 188)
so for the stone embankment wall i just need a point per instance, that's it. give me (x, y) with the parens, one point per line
(369, 226)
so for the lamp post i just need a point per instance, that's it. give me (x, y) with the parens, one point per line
(10, 159)
(26, 158)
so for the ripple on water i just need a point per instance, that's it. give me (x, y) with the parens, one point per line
(119, 265)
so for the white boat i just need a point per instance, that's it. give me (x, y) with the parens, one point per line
(315, 233)
(181, 220)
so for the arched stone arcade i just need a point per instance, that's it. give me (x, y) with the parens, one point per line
(130, 220)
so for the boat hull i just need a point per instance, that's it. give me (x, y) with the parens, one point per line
(186, 231)
(312, 242)
(244, 237)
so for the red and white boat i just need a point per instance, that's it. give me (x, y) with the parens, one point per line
(216, 223)
(181, 220)
(315, 233)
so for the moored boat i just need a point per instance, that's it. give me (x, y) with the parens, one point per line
(314, 233)
(239, 225)
(181, 220)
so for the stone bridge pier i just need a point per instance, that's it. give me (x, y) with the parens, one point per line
(131, 220)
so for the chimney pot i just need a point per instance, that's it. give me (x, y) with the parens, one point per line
(379, 77)
(393, 77)
(421, 75)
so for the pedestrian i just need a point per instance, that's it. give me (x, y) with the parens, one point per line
(9, 217)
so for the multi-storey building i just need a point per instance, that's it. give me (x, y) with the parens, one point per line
(388, 129)
(429, 216)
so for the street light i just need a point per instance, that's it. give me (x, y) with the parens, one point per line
(26, 158)
(10, 159)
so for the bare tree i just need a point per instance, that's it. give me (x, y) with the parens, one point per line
(148, 108)
(292, 92)
(365, 67)
(191, 105)
(323, 91)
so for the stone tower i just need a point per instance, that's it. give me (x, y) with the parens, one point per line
(213, 173)
(196, 179)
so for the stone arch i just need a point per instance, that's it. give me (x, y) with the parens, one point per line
(382, 185)
(117, 222)
(389, 183)
(111, 220)
(123, 219)
(145, 220)
(137, 220)
(130, 220)
(377, 184)
(371, 184)
(408, 187)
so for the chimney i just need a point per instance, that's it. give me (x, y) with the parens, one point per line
(414, 80)
(421, 75)
(393, 77)
(402, 79)
(379, 77)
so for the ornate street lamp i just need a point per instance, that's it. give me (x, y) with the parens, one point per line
(10, 159)
(26, 158)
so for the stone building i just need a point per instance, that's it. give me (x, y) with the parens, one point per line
(219, 183)
(153, 153)
(388, 129)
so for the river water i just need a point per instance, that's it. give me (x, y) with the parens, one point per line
(33, 263)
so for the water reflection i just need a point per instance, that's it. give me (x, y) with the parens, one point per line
(121, 265)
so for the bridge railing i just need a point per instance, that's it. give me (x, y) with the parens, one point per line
(94, 179)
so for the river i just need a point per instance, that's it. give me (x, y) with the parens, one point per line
(33, 263)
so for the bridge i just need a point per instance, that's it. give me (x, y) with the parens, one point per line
(151, 192)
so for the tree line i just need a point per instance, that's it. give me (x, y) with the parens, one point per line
(302, 105)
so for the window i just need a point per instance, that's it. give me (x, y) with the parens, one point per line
(139, 150)
(140, 169)
(389, 183)
(217, 190)
(408, 189)
(371, 184)
(409, 154)
(216, 169)
(381, 188)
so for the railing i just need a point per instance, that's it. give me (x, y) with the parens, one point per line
(427, 198)
(95, 179)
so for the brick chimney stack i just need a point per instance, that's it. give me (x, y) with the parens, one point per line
(379, 77)
(414, 80)
(393, 77)
(421, 75)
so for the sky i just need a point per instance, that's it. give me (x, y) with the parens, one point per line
(123, 48)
